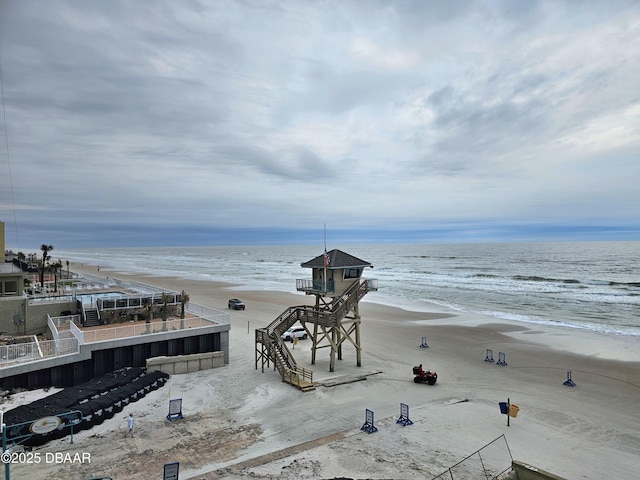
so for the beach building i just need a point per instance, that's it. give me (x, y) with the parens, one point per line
(94, 326)
(69, 348)
(338, 286)
(11, 278)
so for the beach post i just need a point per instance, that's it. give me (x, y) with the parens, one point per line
(404, 415)
(569, 382)
(509, 409)
(368, 426)
(489, 357)
(505, 407)
(501, 359)
(424, 343)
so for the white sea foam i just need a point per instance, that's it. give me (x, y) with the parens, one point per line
(593, 286)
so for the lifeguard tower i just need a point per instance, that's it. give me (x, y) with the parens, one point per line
(338, 286)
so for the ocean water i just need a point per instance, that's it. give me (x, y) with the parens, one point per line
(574, 285)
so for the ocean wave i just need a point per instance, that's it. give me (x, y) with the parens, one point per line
(570, 285)
(592, 327)
(535, 278)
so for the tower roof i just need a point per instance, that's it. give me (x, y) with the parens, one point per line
(337, 260)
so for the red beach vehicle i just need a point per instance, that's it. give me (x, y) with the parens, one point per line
(424, 376)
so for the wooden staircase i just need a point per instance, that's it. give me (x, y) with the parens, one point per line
(275, 350)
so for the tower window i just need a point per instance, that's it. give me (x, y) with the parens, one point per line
(352, 272)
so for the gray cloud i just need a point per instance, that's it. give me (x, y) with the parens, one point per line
(292, 114)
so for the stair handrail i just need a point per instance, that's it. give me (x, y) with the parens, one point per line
(273, 325)
(339, 308)
(287, 357)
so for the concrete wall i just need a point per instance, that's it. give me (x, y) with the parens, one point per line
(525, 471)
(34, 316)
(186, 363)
(98, 358)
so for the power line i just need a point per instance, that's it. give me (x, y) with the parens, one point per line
(6, 136)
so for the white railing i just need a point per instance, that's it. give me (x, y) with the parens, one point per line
(79, 334)
(206, 313)
(51, 299)
(52, 328)
(38, 350)
(132, 330)
(35, 339)
(68, 336)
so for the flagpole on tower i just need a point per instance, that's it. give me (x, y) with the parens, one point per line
(324, 259)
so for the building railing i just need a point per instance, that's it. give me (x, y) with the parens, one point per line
(138, 300)
(124, 330)
(37, 350)
(206, 313)
(79, 334)
(51, 299)
(67, 336)
(53, 328)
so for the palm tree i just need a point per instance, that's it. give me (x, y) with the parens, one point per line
(56, 267)
(165, 299)
(148, 310)
(184, 299)
(45, 255)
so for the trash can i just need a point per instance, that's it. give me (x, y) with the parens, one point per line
(513, 410)
(504, 409)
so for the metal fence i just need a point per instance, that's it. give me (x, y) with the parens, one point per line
(491, 462)
(134, 329)
(211, 314)
(36, 350)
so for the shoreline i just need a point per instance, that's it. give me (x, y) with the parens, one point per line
(575, 340)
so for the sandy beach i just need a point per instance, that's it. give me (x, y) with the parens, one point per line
(241, 423)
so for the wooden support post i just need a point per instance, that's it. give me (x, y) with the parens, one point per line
(314, 343)
(358, 349)
(332, 363)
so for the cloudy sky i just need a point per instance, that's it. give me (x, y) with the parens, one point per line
(200, 122)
